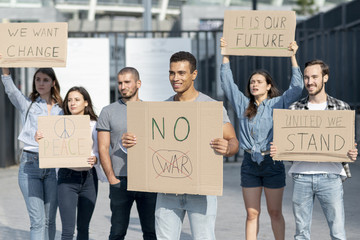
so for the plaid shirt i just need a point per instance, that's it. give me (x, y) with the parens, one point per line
(333, 104)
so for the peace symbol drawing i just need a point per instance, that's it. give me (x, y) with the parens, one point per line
(64, 128)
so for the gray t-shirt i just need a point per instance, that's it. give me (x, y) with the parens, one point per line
(205, 98)
(113, 119)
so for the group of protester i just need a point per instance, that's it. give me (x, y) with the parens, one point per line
(161, 215)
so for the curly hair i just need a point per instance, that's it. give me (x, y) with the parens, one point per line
(184, 56)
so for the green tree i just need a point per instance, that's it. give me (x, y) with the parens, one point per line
(306, 7)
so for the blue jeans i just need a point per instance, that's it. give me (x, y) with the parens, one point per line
(77, 190)
(39, 189)
(121, 201)
(170, 212)
(329, 191)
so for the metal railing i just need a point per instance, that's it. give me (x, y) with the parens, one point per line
(338, 47)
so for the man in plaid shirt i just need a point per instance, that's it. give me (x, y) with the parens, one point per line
(320, 179)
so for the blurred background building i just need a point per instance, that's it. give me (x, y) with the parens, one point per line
(126, 15)
(326, 29)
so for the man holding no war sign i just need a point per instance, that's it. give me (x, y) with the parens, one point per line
(33, 44)
(195, 143)
(316, 141)
(258, 33)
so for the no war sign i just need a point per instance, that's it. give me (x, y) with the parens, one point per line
(173, 153)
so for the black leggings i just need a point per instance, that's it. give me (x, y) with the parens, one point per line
(76, 189)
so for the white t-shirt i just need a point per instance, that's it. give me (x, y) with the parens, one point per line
(94, 152)
(317, 167)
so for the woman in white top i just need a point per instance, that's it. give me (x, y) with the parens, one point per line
(78, 187)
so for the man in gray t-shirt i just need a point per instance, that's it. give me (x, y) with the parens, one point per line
(111, 126)
(201, 209)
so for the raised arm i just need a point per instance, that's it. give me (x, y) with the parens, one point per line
(237, 99)
(293, 93)
(5, 71)
(15, 96)
(222, 45)
(293, 47)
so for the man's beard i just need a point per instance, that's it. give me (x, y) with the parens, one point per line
(129, 97)
(318, 90)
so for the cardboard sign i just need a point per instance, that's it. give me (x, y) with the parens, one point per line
(173, 153)
(33, 44)
(258, 33)
(314, 136)
(67, 141)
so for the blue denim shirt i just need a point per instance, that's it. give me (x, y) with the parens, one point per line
(22, 103)
(257, 133)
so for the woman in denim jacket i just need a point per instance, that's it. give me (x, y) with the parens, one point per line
(38, 186)
(78, 187)
(258, 170)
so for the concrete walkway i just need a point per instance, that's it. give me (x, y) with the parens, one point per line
(230, 223)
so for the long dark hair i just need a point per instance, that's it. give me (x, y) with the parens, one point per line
(55, 91)
(273, 92)
(88, 109)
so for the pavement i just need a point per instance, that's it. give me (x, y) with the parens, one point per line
(231, 216)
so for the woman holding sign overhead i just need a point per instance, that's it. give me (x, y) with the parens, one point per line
(78, 187)
(258, 170)
(38, 186)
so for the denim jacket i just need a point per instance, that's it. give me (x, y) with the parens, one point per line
(22, 103)
(257, 133)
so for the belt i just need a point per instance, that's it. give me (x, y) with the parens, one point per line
(27, 151)
(263, 153)
(121, 177)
